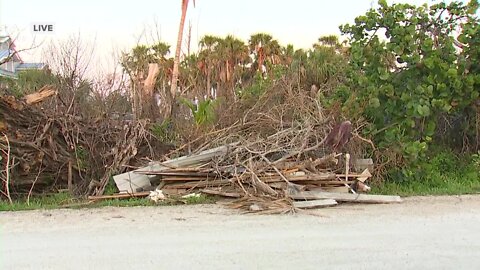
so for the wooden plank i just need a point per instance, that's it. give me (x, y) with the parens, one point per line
(198, 184)
(325, 183)
(130, 181)
(356, 175)
(40, 95)
(191, 174)
(70, 177)
(178, 179)
(119, 196)
(308, 177)
(345, 197)
(342, 189)
(314, 203)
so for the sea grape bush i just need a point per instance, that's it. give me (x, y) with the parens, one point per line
(408, 66)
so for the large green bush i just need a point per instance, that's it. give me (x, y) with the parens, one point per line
(409, 65)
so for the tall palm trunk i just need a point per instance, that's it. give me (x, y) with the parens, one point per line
(176, 61)
(209, 83)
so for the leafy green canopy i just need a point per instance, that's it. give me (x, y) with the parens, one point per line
(409, 65)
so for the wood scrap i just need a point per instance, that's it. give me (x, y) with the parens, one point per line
(314, 203)
(345, 197)
(40, 95)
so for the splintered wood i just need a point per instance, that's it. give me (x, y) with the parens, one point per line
(266, 169)
(266, 188)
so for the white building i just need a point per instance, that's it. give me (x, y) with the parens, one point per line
(10, 59)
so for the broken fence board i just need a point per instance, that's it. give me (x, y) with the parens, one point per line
(345, 197)
(314, 203)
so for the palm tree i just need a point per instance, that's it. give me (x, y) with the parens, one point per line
(331, 41)
(265, 49)
(176, 62)
(191, 78)
(208, 59)
(235, 54)
(287, 54)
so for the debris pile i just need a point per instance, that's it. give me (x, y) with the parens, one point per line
(277, 155)
(50, 149)
(276, 174)
(283, 153)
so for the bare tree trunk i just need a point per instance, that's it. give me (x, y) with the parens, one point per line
(189, 38)
(176, 61)
(148, 87)
(209, 84)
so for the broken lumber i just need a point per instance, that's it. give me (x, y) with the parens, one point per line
(314, 203)
(40, 95)
(309, 177)
(344, 197)
(198, 184)
(119, 196)
(129, 181)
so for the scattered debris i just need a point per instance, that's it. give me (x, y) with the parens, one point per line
(191, 195)
(261, 180)
(156, 195)
(141, 179)
(280, 157)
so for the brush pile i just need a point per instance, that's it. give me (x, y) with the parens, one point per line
(46, 148)
(281, 149)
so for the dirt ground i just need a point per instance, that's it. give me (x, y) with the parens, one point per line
(427, 232)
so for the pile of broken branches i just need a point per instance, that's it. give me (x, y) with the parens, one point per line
(282, 149)
(51, 150)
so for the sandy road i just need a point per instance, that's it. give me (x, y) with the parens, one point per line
(422, 233)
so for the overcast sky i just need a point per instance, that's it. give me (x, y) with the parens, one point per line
(117, 25)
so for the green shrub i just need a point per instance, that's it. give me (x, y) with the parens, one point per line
(441, 172)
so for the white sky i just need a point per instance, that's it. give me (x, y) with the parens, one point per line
(113, 26)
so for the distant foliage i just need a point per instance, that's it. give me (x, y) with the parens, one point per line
(27, 82)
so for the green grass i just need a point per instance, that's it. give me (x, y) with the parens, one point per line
(41, 202)
(64, 200)
(202, 199)
(450, 187)
(445, 173)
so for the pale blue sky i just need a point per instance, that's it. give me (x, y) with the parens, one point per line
(117, 25)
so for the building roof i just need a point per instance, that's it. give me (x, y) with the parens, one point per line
(6, 53)
(18, 64)
(24, 66)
